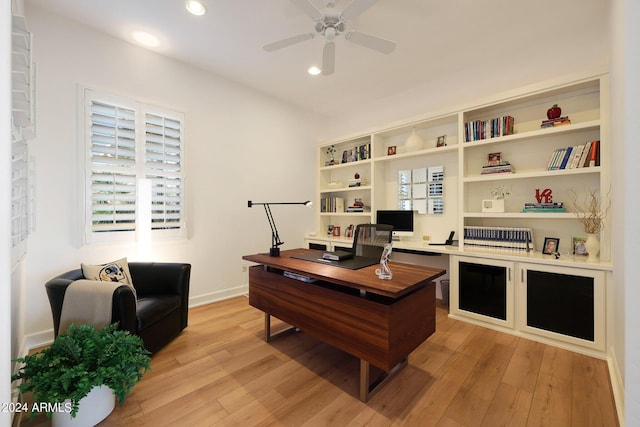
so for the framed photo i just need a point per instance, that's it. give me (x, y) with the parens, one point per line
(442, 141)
(550, 245)
(391, 150)
(345, 156)
(579, 247)
(493, 159)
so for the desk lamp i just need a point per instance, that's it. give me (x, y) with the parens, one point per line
(275, 238)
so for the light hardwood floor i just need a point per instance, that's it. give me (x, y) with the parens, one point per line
(220, 372)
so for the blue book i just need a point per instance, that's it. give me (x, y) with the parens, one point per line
(566, 158)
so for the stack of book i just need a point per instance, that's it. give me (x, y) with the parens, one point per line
(509, 238)
(355, 182)
(332, 204)
(578, 156)
(355, 208)
(482, 129)
(544, 207)
(560, 121)
(503, 167)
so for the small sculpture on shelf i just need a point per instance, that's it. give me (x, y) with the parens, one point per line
(554, 118)
(331, 151)
(554, 112)
(384, 272)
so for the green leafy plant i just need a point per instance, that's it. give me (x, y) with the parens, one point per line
(81, 359)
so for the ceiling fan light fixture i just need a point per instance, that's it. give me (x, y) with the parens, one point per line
(314, 70)
(196, 7)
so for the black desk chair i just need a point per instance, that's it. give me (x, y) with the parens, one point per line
(369, 239)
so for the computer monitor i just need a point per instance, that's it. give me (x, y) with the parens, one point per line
(402, 221)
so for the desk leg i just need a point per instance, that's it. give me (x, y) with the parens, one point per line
(267, 329)
(366, 389)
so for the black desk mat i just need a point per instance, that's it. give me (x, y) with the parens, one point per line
(354, 263)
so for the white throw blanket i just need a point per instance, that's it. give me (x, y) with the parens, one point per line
(87, 302)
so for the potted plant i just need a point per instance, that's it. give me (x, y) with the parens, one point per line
(496, 204)
(591, 216)
(78, 361)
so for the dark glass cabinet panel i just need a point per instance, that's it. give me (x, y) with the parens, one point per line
(561, 303)
(482, 289)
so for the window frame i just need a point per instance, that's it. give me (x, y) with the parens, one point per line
(90, 235)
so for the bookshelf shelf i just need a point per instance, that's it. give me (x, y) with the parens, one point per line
(533, 174)
(346, 214)
(358, 163)
(345, 189)
(522, 215)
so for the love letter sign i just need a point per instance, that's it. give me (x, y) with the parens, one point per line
(545, 194)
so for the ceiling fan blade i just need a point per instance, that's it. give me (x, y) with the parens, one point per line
(328, 58)
(309, 9)
(355, 8)
(287, 42)
(372, 42)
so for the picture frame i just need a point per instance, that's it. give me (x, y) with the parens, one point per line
(551, 245)
(493, 159)
(442, 141)
(579, 248)
(345, 156)
(391, 150)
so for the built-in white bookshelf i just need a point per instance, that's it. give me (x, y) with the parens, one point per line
(528, 149)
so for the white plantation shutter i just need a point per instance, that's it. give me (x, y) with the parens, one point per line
(127, 142)
(163, 166)
(113, 167)
(19, 198)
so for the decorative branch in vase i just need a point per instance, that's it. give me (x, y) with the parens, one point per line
(591, 215)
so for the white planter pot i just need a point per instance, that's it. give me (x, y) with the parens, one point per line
(94, 407)
(493, 205)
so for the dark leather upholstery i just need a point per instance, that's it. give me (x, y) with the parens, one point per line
(162, 306)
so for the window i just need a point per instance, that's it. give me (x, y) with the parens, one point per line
(127, 141)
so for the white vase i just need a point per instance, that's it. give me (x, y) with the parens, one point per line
(593, 247)
(414, 142)
(94, 407)
(493, 205)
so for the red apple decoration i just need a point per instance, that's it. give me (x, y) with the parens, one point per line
(554, 112)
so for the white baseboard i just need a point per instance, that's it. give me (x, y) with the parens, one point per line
(218, 296)
(617, 384)
(39, 339)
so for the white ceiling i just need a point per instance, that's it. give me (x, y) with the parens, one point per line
(434, 39)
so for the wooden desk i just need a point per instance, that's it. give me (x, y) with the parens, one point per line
(378, 321)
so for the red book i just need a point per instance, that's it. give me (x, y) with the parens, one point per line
(594, 153)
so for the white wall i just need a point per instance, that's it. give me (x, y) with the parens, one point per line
(5, 209)
(625, 128)
(240, 145)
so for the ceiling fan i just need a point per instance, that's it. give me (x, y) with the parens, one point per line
(331, 23)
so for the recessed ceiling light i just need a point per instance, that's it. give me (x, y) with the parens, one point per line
(314, 71)
(146, 39)
(196, 7)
